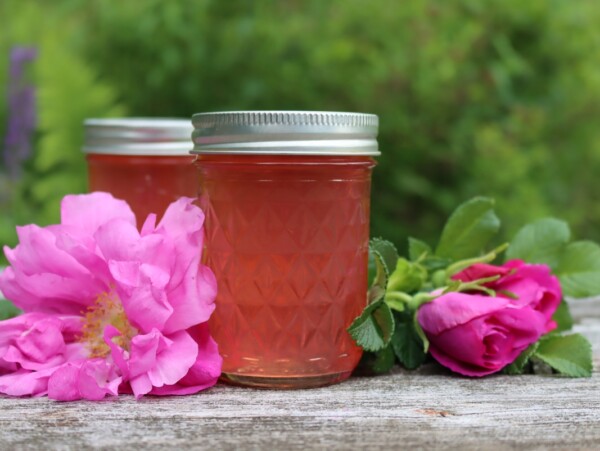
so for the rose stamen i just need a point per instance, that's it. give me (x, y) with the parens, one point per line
(106, 310)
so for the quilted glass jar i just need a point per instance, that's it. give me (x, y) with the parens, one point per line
(286, 197)
(141, 160)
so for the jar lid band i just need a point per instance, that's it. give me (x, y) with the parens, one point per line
(285, 133)
(138, 136)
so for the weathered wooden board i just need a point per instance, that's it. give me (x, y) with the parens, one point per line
(423, 409)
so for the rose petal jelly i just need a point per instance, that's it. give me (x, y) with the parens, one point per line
(286, 197)
(143, 161)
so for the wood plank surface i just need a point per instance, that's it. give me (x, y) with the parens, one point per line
(422, 410)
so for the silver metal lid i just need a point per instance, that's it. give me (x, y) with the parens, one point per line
(285, 133)
(138, 136)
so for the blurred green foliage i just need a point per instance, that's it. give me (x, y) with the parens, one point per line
(499, 98)
(68, 90)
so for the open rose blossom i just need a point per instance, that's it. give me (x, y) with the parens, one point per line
(532, 284)
(109, 309)
(474, 334)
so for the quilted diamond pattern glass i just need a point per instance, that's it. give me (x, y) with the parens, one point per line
(287, 237)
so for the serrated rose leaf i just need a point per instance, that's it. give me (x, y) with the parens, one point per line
(469, 229)
(542, 241)
(570, 355)
(386, 250)
(518, 366)
(373, 329)
(579, 269)
(406, 342)
(416, 248)
(384, 360)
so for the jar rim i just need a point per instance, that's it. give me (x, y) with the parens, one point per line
(285, 133)
(138, 136)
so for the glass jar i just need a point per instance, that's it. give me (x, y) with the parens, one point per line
(286, 197)
(143, 161)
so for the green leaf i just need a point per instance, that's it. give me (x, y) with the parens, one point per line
(384, 360)
(416, 248)
(385, 320)
(579, 269)
(384, 256)
(407, 276)
(542, 241)
(373, 329)
(372, 363)
(406, 342)
(386, 250)
(469, 229)
(570, 355)
(518, 366)
(381, 274)
(563, 317)
(8, 310)
(434, 263)
(372, 269)
(375, 294)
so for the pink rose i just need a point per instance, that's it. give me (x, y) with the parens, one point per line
(474, 334)
(108, 308)
(477, 335)
(533, 285)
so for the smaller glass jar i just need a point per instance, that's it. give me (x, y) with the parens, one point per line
(141, 160)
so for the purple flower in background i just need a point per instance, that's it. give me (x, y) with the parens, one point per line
(21, 110)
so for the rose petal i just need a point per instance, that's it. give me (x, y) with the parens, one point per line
(44, 277)
(535, 286)
(143, 353)
(118, 354)
(193, 300)
(125, 273)
(149, 225)
(173, 361)
(97, 378)
(37, 341)
(120, 241)
(88, 212)
(160, 360)
(463, 343)
(183, 224)
(140, 385)
(85, 255)
(206, 370)
(453, 309)
(42, 341)
(26, 383)
(146, 306)
(83, 379)
(11, 289)
(64, 381)
(37, 253)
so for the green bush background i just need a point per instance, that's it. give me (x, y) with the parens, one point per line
(498, 97)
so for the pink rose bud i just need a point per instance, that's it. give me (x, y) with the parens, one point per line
(477, 335)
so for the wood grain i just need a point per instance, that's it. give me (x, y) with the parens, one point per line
(424, 409)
